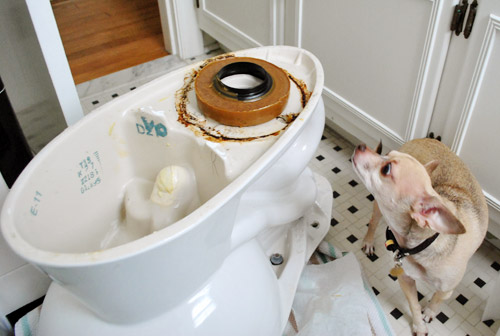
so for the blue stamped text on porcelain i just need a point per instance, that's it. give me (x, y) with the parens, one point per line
(151, 128)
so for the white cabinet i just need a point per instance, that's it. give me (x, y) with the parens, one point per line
(467, 111)
(382, 62)
(393, 68)
(382, 59)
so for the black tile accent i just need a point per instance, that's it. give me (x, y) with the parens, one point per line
(375, 291)
(420, 296)
(333, 222)
(372, 257)
(462, 299)
(496, 266)
(489, 323)
(393, 278)
(323, 137)
(353, 183)
(442, 317)
(479, 282)
(352, 209)
(320, 157)
(370, 198)
(352, 239)
(396, 313)
(337, 148)
(19, 313)
(336, 170)
(133, 88)
(114, 95)
(95, 102)
(335, 194)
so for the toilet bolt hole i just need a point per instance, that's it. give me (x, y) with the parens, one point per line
(276, 259)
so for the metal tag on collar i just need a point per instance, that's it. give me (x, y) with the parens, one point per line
(400, 255)
(397, 270)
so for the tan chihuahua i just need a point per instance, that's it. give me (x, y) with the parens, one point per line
(436, 214)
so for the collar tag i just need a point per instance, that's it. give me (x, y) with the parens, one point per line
(396, 271)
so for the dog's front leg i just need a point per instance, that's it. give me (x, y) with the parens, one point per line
(368, 246)
(409, 288)
(431, 309)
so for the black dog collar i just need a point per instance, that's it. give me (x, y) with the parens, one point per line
(392, 245)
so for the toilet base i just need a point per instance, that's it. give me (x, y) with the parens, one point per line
(246, 296)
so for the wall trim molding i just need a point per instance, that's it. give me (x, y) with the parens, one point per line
(431, 62)
(235, 39)
(363, 125)
(492, 201)
(277, 22)
(299, 8)
(181, 33)
(486, 49)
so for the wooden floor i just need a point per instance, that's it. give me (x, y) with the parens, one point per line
(104, 36)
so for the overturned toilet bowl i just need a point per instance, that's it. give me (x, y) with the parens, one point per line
(151, 217)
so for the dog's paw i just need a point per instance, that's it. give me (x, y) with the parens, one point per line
(368, 248)
(419, 329)
(428, 315)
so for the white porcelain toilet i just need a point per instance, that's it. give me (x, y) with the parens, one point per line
(152, 219)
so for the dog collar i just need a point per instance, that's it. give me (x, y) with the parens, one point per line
(392, 245)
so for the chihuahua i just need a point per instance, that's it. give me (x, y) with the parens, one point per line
(436, 215)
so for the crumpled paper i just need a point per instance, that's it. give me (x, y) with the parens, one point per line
(331, 300)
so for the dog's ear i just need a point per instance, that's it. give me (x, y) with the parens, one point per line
(378, 150)
(431, 165)
(430, 211)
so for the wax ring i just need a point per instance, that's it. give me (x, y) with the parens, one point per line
(242, 106)
(248, 68)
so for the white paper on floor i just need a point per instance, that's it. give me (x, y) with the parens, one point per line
(331, 300)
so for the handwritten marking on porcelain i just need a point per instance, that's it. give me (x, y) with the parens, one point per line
(149, 126)
(36, 201)
(89, 174)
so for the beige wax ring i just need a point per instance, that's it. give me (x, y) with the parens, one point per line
(227, 109)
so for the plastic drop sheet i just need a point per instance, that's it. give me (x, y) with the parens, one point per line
(332, 299)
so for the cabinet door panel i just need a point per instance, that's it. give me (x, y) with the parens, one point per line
(468, 105)
(477, 135)
(241, 24)
(377, 57)
(479, 144)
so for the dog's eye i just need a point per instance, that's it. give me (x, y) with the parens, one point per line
(386, 169)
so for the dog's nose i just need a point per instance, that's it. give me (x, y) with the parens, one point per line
(361, 147)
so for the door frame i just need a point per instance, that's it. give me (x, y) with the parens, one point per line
(179, 24)
(181, 35)
(54, 56)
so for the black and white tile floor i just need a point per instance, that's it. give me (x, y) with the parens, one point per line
(99, 91)
(352, 206)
